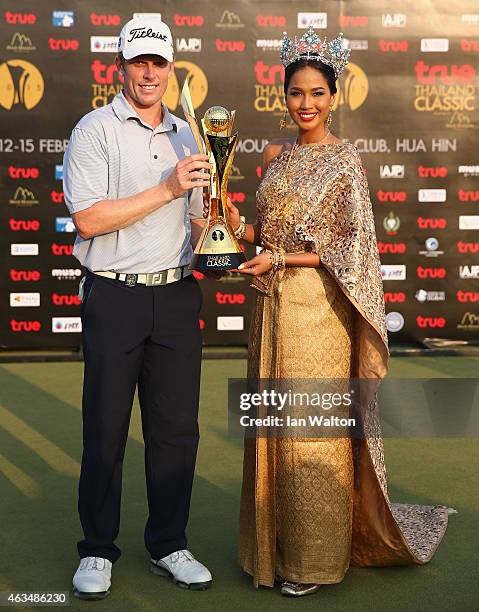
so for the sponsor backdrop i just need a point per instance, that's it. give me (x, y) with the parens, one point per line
(408, 101)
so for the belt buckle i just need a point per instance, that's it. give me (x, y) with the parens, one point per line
(131, 280)
(156, 278)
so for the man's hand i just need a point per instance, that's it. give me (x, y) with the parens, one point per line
(187, 175)
(257, 265)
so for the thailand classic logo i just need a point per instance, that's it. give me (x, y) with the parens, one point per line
(21, 83)
(196, 80)
(353, 90)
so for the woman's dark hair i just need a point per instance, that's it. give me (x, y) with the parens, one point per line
(324, 69)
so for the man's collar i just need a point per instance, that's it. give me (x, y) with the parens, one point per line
(124, 111)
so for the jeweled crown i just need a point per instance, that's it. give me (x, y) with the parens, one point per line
(310, 46)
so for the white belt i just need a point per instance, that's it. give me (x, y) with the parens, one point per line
(152, 279)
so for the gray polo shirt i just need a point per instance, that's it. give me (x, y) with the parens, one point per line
(113, 154)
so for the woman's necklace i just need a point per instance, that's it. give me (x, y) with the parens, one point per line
(284, 200)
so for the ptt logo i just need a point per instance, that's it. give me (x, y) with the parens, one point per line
(431, 223)
(24, 326)
(448, 75)
(317, 20)
(392, 297)
(393, 46)
(24, 225)
(63, 44)
(65, 299)
(271, 21)
(353, 21)
(20, 18)
(468, 196)
(391, 196)
(66, 325)
(26, 276)
(188, 21)
(57, 197)
(397, 248)
(21, 83)
(469, 45)
(467, 247)
(105, 20)
(231, 46)
(467, 296)
(63, 19)
(61, 249)
(64, 224)
(393, 272)
(230, 298)
(423, 272)
(196, 79)
(432, 172)
(103, 44)
(424, 322)
(15, 172)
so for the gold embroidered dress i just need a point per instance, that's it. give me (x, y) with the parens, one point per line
(310, 507)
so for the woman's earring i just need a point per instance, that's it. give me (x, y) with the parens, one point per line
(330, 117)
(282, 122)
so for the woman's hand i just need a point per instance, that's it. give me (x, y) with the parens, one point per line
(232, 210)
(257, 265)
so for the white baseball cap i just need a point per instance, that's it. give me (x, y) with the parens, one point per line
(146, 36)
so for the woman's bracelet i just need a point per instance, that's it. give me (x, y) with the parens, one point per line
(278, 260)
(240, 231)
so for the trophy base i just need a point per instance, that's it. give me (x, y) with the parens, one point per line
(223, 261)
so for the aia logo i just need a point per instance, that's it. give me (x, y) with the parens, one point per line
(441, 73)
(393, 46)
(392, 297)
(23, 173)
(467, 296)
(423, 272)
(431, 223)
(105, 20)
(20, 18)
(467, 247)
(65, 299)
(230, 45)
(104, 74)
(391, 196)
(268, 75)
(61, 249)
(432, 172)
(271, 21)
(237, 196)
(353, 21)
(469, 45)
(391, 247)
(24, 225)
(230, 298)
(25, 326)
(63, 44)
(189, 21)
(468, 196)
(25, 275)
(424, 322)
(57, 196)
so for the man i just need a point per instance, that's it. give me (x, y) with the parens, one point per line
(133, 182)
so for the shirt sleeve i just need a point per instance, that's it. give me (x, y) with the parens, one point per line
(85, 171)
(195, 203)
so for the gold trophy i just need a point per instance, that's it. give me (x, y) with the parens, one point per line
(218, 247)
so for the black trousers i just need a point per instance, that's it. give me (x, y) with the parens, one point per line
(147, 337)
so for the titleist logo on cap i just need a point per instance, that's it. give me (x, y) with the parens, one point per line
(145, 33)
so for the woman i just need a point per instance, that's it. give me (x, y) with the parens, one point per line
(310, 507)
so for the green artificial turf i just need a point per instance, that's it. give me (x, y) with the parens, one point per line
(40, 451)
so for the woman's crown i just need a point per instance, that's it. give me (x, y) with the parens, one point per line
(310, 46)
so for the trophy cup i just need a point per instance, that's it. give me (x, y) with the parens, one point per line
(218, 247)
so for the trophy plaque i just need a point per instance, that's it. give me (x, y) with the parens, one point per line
(218, 248)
